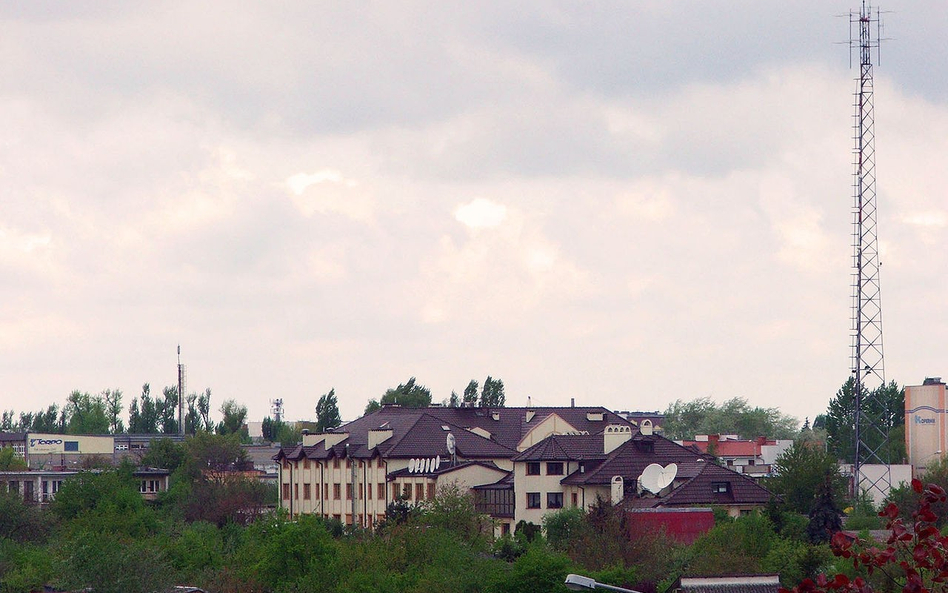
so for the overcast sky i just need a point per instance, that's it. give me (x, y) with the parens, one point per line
(625, 203)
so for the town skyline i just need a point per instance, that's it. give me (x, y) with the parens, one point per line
(625, 205)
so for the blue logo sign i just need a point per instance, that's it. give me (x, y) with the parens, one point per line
(920, 420)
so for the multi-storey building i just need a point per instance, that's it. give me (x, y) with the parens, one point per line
(519, 463)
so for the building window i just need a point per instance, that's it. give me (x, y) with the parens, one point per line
(750, 462)
(381, 493)
(431, 491)
(533, 468)
(720, 487)
(505, 528)
(348, 491)
(306, 464)
(574, 498)
(335, 462)
(554, 468)
(296, 491)
(336, 491)
(554, 500)
(533, 500)
(419, 491)
(326, 491)
(396, 489)
(368, 490)
(286, 491)
(316, 491)
(307, 492)
(406, 491)
(348, 463)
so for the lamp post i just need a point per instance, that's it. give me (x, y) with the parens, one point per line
(577, 582)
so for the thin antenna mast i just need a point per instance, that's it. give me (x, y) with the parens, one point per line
(868, 369)
(181, 382)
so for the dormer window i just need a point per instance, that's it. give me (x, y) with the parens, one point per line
(720, 487)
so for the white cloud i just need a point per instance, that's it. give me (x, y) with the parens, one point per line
(328, 191)
(480, 214)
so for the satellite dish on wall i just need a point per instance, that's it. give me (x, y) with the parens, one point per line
(668, 475)
(428, 464)
(412, 464)
(451, 443)
(651, 478)
(437, 463)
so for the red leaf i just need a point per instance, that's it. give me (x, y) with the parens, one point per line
(917, 485)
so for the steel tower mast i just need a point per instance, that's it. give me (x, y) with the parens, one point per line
(868, 369)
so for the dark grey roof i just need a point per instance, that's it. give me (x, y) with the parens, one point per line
(422, 432)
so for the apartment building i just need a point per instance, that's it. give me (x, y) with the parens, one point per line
(519, 463)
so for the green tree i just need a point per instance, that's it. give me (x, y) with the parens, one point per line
(407, 395)
(165, 454)
(470, 393)
(327, 412)
(9, 461)
(492, 395)
(683, 420)
(168, 410)
(86, 414)
(800, 473)
(113, 408)
(234, 419)
(143, 414)
(885, 406)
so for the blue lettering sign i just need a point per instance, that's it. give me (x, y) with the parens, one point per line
(920, 420)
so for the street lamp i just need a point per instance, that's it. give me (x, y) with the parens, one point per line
(577, 582)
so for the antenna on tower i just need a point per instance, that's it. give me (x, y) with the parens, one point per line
(276, 408)
(181, 386)
(867, 362)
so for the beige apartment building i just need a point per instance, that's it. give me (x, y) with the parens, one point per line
(519, 464)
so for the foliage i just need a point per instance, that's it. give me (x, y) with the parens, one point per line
(112, 398)
(234, 420)
(825, 516)
(288, 555)
(565, 526)
(327, 412)
(683, 420)
(407, 395)
(914, 559)
(908, 500)
(539, 570)
(492, 395)
(164, 453)
(104, 502)
(470, 393)
(800, 472)
(9, 460)
(453, 509)
(24, 567)
(737, 547)
(95, 561)
(885, 405)
(20, 522)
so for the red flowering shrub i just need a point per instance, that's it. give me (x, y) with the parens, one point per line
(914, 559)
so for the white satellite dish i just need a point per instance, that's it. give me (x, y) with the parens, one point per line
(412, 464)
(668, 475)
(451, 443)
(651, 478)
(437, 462)
(427, 465)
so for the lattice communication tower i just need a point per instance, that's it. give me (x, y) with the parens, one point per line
(868, 368)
